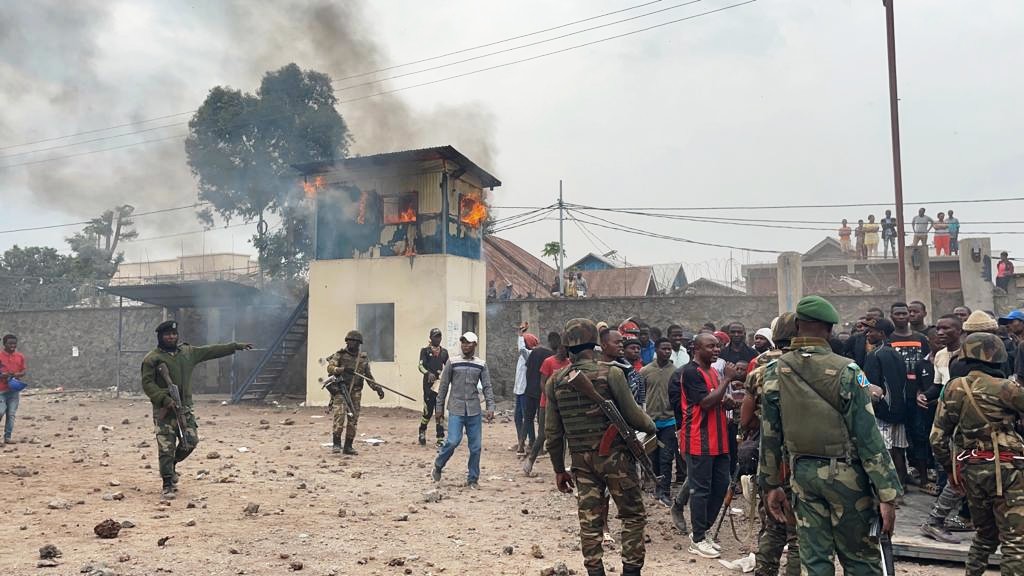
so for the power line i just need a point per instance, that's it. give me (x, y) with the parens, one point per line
(789, 206)
(84, 222)
(359, 75)
(512, 49)
(428, 83)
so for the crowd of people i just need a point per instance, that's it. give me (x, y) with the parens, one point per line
(862, 241)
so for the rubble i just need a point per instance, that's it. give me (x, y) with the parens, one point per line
(49, 552)
(107, 529)
(252, 508)
(536, 552)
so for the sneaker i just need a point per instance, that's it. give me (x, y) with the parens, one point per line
(473, 485)
(704, 549)
(939, 533)
(714, 543)
(665, 501)
(423, 438)
(436, 474)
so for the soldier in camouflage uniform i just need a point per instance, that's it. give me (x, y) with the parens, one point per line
(180, 359)
(345, 363)
(774, 534)
(817, 416)
(977, 412)
(575, 419)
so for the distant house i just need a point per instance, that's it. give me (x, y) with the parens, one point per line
(828, 270)
(627, 281)
(593, 262)
(707, 287)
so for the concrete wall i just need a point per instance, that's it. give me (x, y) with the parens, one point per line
(428, 291)
(691, 311)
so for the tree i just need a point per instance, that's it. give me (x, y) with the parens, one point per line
(95, 247)
(553, 250)
(241, 147)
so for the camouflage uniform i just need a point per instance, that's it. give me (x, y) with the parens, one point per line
(982, 407)
(180, 364)
(575, 420)
(345, 364)
(838, 461)
(774, 534)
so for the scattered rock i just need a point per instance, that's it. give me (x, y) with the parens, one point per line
(113, 483)
(213, 456)
(264, 421)
(432, 496)
(125, 422)
(127, 524)
(413, 509)
(21, 472)
(396, 562)
(525, 511)
(163, 541)
(508, 550)
(114, 496)
(47, 564)
(342, 513)
(49, 552)
(58, 504)
(357, 474)
(295, 565)
(536, 552)
(402, 518)
(233, 551)
(288, 422)
(190, 522)
(124, 558)
(559, 569)
(252, 509)
(284, 555)
(108, 528)
(104, 428)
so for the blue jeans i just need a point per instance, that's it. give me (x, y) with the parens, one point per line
(8, 406)
(474, 428)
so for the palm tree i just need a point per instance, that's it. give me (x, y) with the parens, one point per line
(553, 250)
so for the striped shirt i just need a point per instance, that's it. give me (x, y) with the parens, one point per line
(460, 377)
(704, 432)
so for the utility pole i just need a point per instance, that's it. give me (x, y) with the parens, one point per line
(894, 119)
(561, 242)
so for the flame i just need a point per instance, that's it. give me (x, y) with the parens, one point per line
(472, 210)
(311, 188)
(361, 218)
(407, 215)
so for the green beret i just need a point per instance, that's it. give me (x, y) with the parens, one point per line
(816, 309)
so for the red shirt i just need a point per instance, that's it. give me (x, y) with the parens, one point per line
(703, 432)
(14, 363)
(550, 365)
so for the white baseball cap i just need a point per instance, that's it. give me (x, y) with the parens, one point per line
(470, 337)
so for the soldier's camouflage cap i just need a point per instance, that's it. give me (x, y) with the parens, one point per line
(784, 329)
(816, 309)
(580, 332)
(985, 347)
(354, 335)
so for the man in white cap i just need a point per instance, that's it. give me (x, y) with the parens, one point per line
(459, 379)
(763, 340)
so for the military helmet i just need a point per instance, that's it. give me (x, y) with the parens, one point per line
(784, 328)
(354, 335)
(985, 347)
(580, 331)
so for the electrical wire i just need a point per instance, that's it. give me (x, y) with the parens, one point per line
(412, 86)
(84, 222)
(359, 75)
(791, 206)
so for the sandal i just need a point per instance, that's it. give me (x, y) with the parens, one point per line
(930, 488)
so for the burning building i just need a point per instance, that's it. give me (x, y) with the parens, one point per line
(398, 241)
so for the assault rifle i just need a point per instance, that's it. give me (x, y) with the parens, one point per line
(322, 362)
(579, 381)
(179, 408)
(335, 386)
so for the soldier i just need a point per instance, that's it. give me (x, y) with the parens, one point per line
(816, 415)
(575, 419)
(774, 535)
(180, 359)
(432, 361)
(346, 363)
(984, 406)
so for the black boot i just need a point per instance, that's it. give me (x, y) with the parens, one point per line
(599, 571)
(168, 491)
(630, 569)
(337, 443)
(348, 448)
(423, 437)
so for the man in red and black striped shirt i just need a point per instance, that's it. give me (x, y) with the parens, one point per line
(704, 439)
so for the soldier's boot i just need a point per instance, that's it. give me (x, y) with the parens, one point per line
(423, 437)
(599, 571)
(168, 490)
(630, 569)
(348, 449)
(337, 443)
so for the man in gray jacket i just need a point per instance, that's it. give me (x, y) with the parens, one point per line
(459, 379)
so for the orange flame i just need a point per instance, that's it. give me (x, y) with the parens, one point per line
(407, 215)
(361, 218)
(311, 188)
(472, 210)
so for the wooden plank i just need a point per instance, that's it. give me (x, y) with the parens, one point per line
(908, 542)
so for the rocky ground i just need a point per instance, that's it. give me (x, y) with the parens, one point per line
(263, 495)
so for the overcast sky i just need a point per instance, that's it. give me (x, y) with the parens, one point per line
(775, 102)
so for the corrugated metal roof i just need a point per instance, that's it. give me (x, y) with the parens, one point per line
(437, 153)
(630, 281)
(506, 262)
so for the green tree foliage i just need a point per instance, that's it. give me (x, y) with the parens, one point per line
(553, 250)
(241, 148)
(95, 247)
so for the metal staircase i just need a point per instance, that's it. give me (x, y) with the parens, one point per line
(267, 374)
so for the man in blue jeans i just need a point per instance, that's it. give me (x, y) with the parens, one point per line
(459, 381)
(12, 365)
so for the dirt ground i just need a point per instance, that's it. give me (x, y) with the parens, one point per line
(318, 513)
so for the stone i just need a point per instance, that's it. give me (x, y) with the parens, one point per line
(508, 550)
(113, 483)
(396, 562)
(190, 522)
(402, 518)
(432, 496)
(357, 474)
(127, 524)
(163, 541)
(107, 529)
(125, 422)
(21, 472)
(124, 558)
(114, 496)
(295, 565)
(47, 564)
(559, 569)
(58, 504)
(536, 552)
(288, 422)
(213, 456)
(252, 509)
(49, 552)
